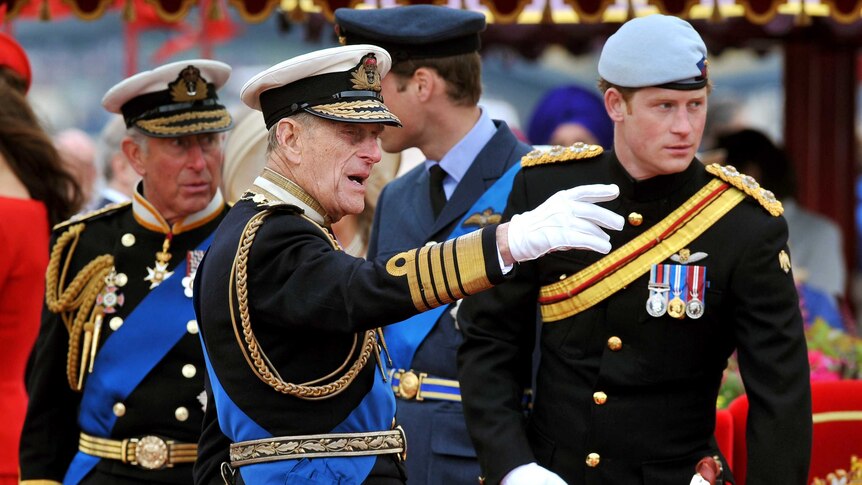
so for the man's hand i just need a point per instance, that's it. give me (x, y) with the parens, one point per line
(569, 219)
(532, 474)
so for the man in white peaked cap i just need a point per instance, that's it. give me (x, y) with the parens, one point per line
(297, 367)
(117, 377)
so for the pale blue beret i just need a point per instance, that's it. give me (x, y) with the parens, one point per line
(657, 50)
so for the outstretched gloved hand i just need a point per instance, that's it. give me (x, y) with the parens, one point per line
(569, 219)
(532, 474)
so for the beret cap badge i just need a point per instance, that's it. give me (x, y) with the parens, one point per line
(189, 86)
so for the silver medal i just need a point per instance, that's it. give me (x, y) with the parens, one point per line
(656, 304)
(694, 308)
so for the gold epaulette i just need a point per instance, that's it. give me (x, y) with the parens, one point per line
(557, 153)
(92, 214)
(747, 184)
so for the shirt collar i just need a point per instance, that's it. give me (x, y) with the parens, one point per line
(286, 190)
(458, 159)
(148, 216)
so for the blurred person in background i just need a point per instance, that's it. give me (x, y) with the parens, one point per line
(14, 64)
(117, 179)
(35, 193)
(78, 153)
(818, 254)
(570, 114)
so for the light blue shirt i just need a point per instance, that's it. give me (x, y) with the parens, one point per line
(457, 161)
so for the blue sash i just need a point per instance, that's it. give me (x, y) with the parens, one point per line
(374, 413)
(403, 338)
(128, 355)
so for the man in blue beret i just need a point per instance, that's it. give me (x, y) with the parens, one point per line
(434, 87)
(634, 343)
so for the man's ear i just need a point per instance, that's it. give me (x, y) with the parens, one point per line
(134, 152)
(615, 104)
(288, 132)
(425, 80)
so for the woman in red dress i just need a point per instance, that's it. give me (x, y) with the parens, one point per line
(35, 193)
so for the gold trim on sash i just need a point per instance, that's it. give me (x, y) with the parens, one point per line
(598, 281)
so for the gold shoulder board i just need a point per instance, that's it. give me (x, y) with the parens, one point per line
(747, 184)
(92, 214)
(557, 154)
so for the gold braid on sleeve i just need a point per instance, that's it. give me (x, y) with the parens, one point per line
(75, 303)
(251, 349)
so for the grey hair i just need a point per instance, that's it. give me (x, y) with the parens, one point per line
(306, 120)
(139, 138)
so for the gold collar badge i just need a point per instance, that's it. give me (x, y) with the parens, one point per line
(784, 261)
(365, 76)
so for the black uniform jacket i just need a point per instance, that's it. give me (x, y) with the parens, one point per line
(307, 302)
(662, 382)
(50, 436)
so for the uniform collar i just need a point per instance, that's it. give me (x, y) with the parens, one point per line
(148, 216)
(286, 190)
(653, 188)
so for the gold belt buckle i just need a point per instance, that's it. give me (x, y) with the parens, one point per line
(409, 383)
(151, 452)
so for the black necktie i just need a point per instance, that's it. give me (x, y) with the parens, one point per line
(438, 195)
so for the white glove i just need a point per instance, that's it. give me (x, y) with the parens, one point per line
(532, 474)
(569, 219)
(698, 479)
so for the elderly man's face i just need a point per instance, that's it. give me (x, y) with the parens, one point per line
(181, 175)
(336, 161)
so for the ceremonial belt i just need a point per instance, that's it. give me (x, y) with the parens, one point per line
(419, 386)
(318, 446)
(147, 452)
(605, 277)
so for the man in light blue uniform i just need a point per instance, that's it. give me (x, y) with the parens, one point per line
(434, 87)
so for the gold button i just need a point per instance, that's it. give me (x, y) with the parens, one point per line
(192, 327)
(115, 323)
(600, 398)
(181, 413)
(408, 385)
(615, 343)
(593, 460)
(189, 371)
(635, 219)
(128, 239)
(119, 409)
(121, 279)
